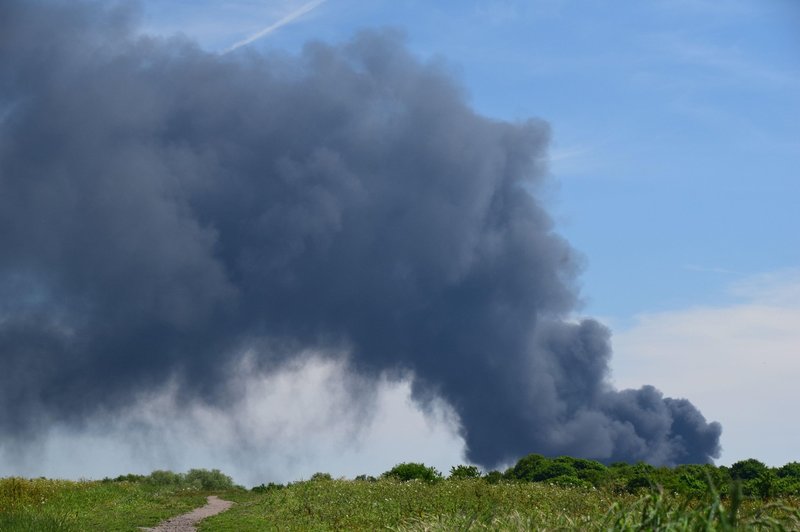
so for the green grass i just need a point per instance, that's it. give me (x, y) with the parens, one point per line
(59, 505)
(387, 504)
(476, 505)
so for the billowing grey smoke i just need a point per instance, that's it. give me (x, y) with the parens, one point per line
(164, 209)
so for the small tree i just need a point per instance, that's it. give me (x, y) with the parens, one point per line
(461, 472)
(413, 471)
(790, 470)
(527, 467)
(748, 469)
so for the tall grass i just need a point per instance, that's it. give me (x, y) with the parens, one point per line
(59, 505)
(474, 504)
(24, 505)
(383, 504)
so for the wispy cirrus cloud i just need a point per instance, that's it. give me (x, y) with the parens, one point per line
(709, 269)
(722, 64)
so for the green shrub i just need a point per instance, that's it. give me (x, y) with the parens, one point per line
(552, 469)
(787, 486)
(214, 480)
(527, 467)
(161, 477)
(413, 471)
(538, 468)
(790, 470)
(590, 471)
(493, 477)
(639, 482)
(763, 486)
(568, 480)
(264, 488)
(464, 471)
(749, 469)
(695, 480)
(321, 477)
(130, 478)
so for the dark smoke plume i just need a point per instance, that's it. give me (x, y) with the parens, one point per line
(164, 209)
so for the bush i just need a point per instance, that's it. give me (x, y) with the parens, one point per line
(321, 477)
(266, 488)
(537, 468)
(790, 470)
(568, 480)
(696, 481)
(413, 471)
(590, 471)
(638, 482)
(162, 477)
(787, 486)
(130, 478)
(464, 471)
(493, 477)
(527, 467)
(552, 469)
(214, 480)
(633, 477)
(749, 469)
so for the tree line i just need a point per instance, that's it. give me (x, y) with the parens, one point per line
(749, 477)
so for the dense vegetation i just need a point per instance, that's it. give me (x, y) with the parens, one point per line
(750, 476)
(537, 493)
(195, 479)
(474, 504)
(43, 505)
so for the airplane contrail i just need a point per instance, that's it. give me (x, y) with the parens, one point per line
(282, 22)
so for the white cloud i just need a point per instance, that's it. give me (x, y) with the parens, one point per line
(308, 417)
(781, 288)
(740, 364)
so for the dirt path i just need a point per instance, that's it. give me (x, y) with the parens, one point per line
(186, 522)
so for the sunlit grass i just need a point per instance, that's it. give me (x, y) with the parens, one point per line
(476, 505)
(385, 504)
(45, 505)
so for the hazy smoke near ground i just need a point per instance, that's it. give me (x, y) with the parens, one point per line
(164, 211)
(305, 416)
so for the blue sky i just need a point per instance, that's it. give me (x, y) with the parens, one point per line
(675, 160)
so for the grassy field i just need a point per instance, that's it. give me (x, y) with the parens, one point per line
(385, 504)
(43, 505)
(414, 505)
(475, 504)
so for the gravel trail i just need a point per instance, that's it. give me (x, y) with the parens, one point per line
(186, 522)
